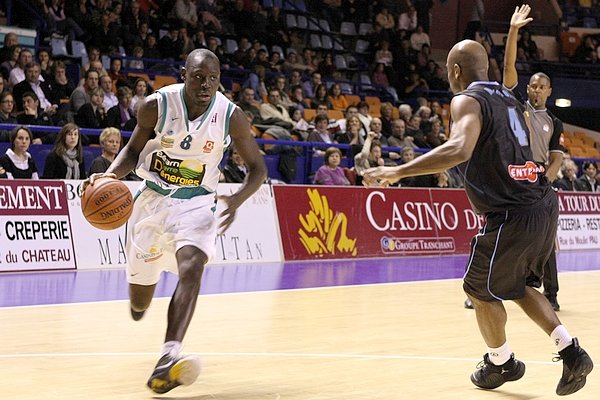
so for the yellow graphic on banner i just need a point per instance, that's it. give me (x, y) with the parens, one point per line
(324, 230)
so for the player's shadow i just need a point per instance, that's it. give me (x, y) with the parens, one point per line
(505, 394)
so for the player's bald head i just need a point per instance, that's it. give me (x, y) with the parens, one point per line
(467, 62)
(200, 56)
(470, 56)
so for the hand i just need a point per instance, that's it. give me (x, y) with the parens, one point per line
(380, 176)
(394, 156)
(92, 179)
(228, 214)
(519, 18)
(371, 135)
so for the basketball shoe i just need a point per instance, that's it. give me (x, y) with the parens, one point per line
(136, 315)
(171, 372)
(577, 364)
(491, 376)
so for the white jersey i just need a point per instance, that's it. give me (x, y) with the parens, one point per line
(186, 153)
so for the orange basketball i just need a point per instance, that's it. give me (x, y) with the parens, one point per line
(107, 204)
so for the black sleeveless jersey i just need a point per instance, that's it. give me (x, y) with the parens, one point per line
(501, 174)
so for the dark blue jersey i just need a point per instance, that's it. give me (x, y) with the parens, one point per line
(501, 174)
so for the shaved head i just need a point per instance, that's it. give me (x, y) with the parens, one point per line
(467, 62)
(199, 55)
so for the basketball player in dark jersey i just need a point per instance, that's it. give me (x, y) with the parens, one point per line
(490, 139)
(545, 129)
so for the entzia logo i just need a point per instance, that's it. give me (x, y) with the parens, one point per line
(528, 172)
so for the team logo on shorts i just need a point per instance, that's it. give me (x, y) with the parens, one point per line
(528, 172)
(153, 254)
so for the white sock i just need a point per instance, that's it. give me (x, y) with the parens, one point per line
(561, 337)
(172, 348)
(499, 355)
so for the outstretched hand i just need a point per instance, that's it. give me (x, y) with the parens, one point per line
(519, 18)
(380, 177)
(232, 203)
(92, 179)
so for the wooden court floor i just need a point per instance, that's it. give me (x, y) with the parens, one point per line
(389, 341)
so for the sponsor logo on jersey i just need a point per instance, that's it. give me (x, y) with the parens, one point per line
(167, 142)
(528, 172)
(178, 172)
(208, 146)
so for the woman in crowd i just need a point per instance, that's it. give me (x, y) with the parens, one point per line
(110, 141)
(321, 97)
(17, 163)
(330, 173)
(140, 91)
(337, 99)
(93, 114)
(65, 161)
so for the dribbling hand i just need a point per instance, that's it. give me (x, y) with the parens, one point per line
(92, 179)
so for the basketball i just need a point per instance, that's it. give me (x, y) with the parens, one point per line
(107, 204)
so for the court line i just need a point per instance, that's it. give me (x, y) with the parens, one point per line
(263, 354)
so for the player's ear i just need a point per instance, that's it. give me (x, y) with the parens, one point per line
(183, 74)
(456, 70)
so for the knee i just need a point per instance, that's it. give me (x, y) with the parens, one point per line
(191, 267)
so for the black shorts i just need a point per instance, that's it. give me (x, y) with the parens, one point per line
(509, 249)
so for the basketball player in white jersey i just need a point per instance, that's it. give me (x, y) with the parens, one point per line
(176, 147)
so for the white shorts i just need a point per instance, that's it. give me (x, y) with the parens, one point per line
(160, 225)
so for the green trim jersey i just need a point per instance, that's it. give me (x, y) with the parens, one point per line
(186, 153)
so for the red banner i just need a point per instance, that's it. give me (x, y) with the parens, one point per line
(342, 222)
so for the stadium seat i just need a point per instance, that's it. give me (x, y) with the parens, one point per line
(309, 114)
(231, 46)
(353, 99)
(348, 29)
(335, 114)
(59, 47)
(340, 62)
(163, 80)
(302, 22)
(291, 22)
(315, 41)
(365, 29)
(326, 42)
(361, 47)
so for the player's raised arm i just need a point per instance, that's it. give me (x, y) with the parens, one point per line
(518, 20)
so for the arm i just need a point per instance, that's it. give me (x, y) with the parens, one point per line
(518, 20)
(466, 114)
(128, 157)
(246, 146)
(556, 150)
(554, 165)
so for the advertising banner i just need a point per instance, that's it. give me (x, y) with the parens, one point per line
(341, 222)
(253, 236)
(35, 230)
(579, 221)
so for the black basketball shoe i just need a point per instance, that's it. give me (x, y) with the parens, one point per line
(137, 315)
(171, 372)
(577, 364)
(491, 376)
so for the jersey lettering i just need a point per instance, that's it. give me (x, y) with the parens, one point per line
(517, 127)
(186, 143)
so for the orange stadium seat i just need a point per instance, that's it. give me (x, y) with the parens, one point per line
(335, 114)
(352, 99)
(569, 41)
(309, 114)
(163, 80)
(139, 75)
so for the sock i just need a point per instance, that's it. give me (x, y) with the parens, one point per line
(499, 355)
(172, 348)
(561, 337)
